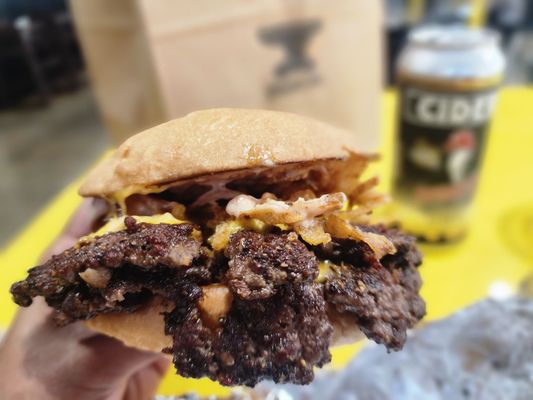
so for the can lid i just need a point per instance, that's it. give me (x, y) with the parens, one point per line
(452, 37)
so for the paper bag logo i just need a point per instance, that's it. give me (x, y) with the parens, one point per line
(297, 69)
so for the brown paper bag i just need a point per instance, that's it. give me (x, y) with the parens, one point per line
(153, 60)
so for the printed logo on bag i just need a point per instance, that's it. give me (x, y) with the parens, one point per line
(297, 69)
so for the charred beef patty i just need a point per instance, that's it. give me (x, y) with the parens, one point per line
(381, 295)
(280, 338)
(259, 263)
(276, 327)
(106, 274)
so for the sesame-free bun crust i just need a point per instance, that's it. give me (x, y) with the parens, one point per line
(212, 141)
(145, 328)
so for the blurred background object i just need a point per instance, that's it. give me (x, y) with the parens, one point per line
(448, 78)
(513, 19)
(315, 58)
(40, 55)
(50, 131)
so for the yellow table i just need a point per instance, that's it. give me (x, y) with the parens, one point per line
(495, 257)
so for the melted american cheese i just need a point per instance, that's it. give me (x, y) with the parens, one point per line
(220, 239)
(116, 224)
(325, 269)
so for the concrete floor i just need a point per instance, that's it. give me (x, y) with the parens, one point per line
(41, 151)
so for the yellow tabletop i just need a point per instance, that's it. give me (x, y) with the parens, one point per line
(494, 258)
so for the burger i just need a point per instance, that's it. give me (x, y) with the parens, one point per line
(239, 242)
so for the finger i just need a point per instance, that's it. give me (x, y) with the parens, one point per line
(80, 224)
(110, 360)
(28, 320)
(60, 245)
(72, 360)
(143, 383)
(31, 323)
(107, 366)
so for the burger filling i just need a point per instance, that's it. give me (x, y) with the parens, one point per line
(254, 266)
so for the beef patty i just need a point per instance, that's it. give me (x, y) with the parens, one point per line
(276, 328)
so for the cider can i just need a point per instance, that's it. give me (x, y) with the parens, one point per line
(448, 79)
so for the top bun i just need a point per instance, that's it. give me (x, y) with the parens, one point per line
(212, 141)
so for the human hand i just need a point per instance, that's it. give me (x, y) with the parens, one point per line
(39, 360)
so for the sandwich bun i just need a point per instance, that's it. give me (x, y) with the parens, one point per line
(145, 328)
(214, 141)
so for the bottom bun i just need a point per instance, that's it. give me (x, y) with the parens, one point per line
(145, 328)
(345, 330)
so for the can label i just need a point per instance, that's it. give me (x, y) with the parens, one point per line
(440, 141)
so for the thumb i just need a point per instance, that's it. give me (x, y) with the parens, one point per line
(74, 362)
(109, 361)
(144, 383)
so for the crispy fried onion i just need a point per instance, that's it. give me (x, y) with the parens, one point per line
(312, 231)
(342, 229)
(366, 195)
(273, 212)
(316, 220)
(360, 192)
